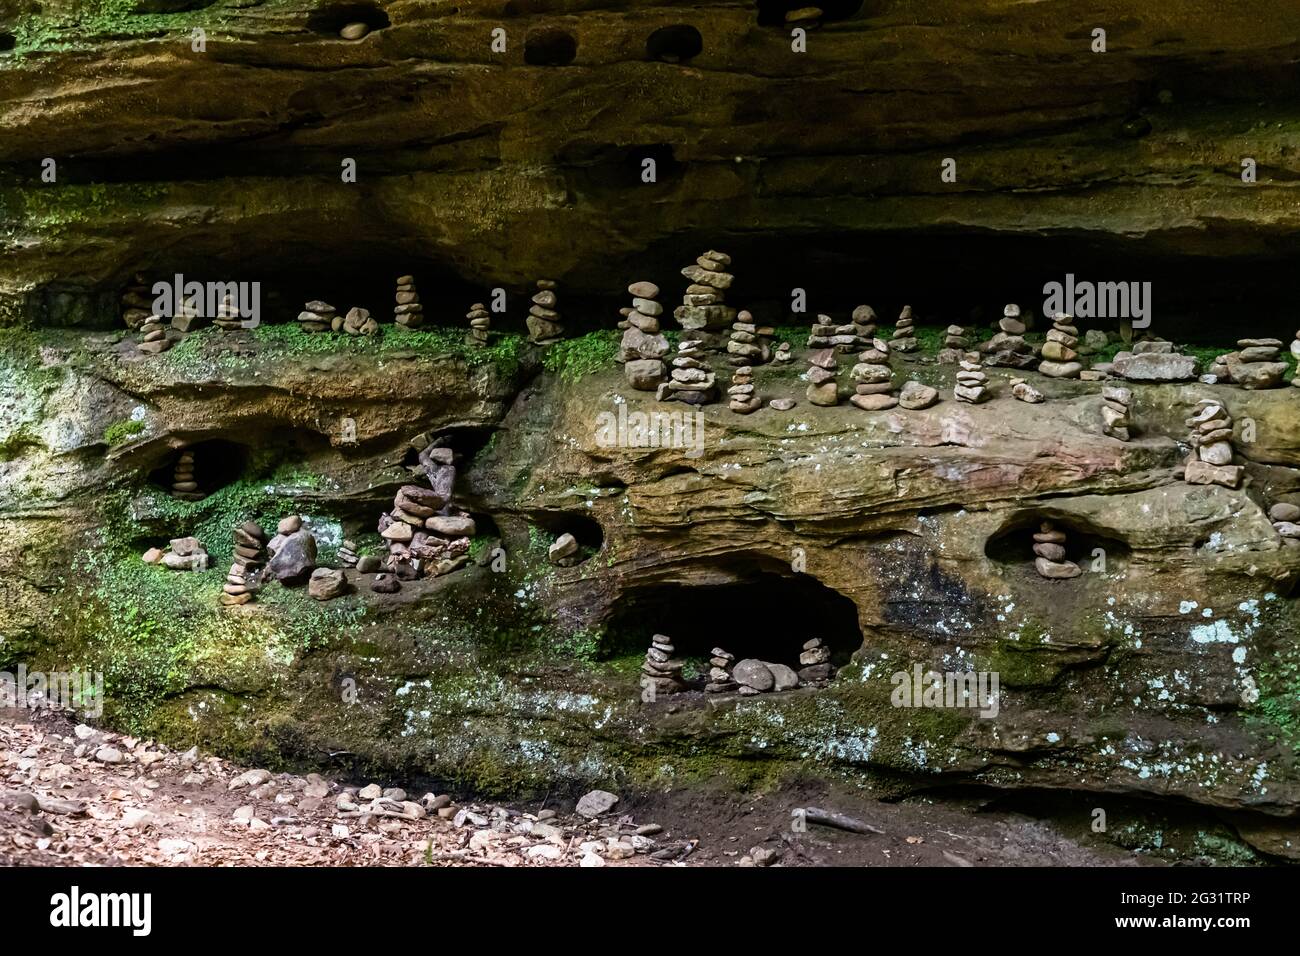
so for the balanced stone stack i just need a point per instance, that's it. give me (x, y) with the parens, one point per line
(183, 484)
(692, 379)
(874, 379)
(347, 554)
(782, 355)
(227, 316)
(703, 310)
(904, 337)
(644, 346)
(1286, 521)
(1049, 548)
(743, 398)
(480, 321)
(1254, 365)
(1008, 347)
(137, 306)
(815, 662)
(1024, 392)
(358, 321)
(751, 344)
(408, 312)
(1060, 357)
(972, 383)
(425, 533)
(825, 334)
(1210, 462)
(153, 338)
(956, 342)
(543, 315)
(250, 555)
(720, 679)
(822, 388)
(1115, 406)
(317, 316)
(1295, 350)
(661, 669)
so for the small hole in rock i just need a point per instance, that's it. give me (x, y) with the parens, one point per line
(196, 471)
(772, 13)
(331, 20)
(7, 42)
(675, 44)
(550, 48)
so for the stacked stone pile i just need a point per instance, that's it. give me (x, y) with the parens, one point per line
(1115, 406)
(184, 485)
(249, 557)
(1024, 392)
(480, 321)
(662, 670)
(1152, 360)
(845, 339)
(704, 310)
(153, 336)
(1295, 350)
(347, 554)
(644, 346)
(408, 312)
(358, 321)
(1060, 357)
(1286, 520)
(822, 387)
(425, 533)
(1008, 347)
(720, 664)
(904, 337)
(751, 343)
(815, 662)
(189, 317)
(744, 399)
(543, 321)
(1254, 365)
(760, 677)
(317, 316)
(874, 379)
(181, 554)
(1210, 462)
(956, 342)
(137, 304)
(972, 383)
(782, 355)
(692, 379)
(227, 316)
(1049, 548)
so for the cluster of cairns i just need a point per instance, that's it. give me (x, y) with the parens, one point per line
(904, 337)
(1115, 405)
(137, 306)
(408, 312)
(1008, 347)
(543, 315)
(1049, 548)
(750, 344)
(1060, 357)
(425, 533)
(956, 343)
(874, 379)
(1286, 520)
(181, 554)
(661, 669)
(1254, 365)
(846, 339)
(153, 336)
(972, 383)
(480, 321)
(227, 316)
(704, 313)
(693, 381)
(249, 557)
(744, 399)
(644, 346)
(1023, 391)
(720, 664)
(822, 387)
(815, 662)
(317, 316)
(1210, 461)
(183, 484)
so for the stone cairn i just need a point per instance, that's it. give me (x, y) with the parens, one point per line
(1254, 365)
(358, 321)
(904, 337)
(227, 316)
(480, 321)
(750, 344)
(183, 484)
(1060, 357)
(426, 534)
(1210, 462)
(874, 379)
(845, 339)
(347, 554)
(956, 342)
(181, 554)
(822, 387)
(782, 355)
(317, 316)
(744, 400)
(1286, 520)
(1049, 548)
(153, 338)
(972, 383)
(692, 379)
(720, 679)
(815, 662)
(1295, 350)
(137, 306)
(543, 315)
(1008, 347)
(704, 311)
(661, 669)
(250, 556)
(1115, 405)
(1024, 392)
(408, 312)
(643, 346)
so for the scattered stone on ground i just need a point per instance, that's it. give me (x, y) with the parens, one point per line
(1024, 392)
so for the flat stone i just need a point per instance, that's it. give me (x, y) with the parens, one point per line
(1058, 570)
(754, 674)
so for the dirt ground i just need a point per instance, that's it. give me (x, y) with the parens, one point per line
(73, 795)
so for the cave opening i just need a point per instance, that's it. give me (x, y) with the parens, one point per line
(773, 13)
(196, 471)
(765, 614)
(7, 41)
(674, 44)
(550, 48)
(332, 18)
(1013, 545)
(585, 529)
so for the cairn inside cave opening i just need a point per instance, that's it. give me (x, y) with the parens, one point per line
(196, 471)
(1057, 542)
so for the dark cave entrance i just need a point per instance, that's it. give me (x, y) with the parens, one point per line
(1013, 545)
(585, 530)
(217, 463)
(332, 18)
(674, 44)
(768, 616)
(550, 48)
(7, 41)
(772, 13)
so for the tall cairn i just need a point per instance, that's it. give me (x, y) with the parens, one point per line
(543, 321)
(644, 346)
(704, 310)
(1049, 554)
(751, 344)
(407, 312)
(1115, 405)
(1008, 347)
(1060, 357)
(956, 342)
(822, 387)
(1210, 461)
(693, 380)
(480, 321)
(904, 337)
(249, 557)
(184, 484)
(874, 379)
(661, 670)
